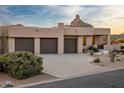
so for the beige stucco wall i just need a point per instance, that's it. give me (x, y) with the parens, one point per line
(37, 45)
(100, 40)
(33, 32)
(78, 31)
(104, 32)
(11, 44)
(101, 31)
(79, 44)
(108, 39)
(111, 47)
(56, 32)
(61, 38)
(16, 31)
(96, 39)
(89, 41)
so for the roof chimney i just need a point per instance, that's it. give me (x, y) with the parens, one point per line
(61, 25)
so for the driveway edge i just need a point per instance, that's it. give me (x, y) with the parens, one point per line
(54, 80)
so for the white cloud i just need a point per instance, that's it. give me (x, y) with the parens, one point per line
(99, 16)
(110, 15)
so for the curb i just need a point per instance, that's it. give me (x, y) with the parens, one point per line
(60, 79)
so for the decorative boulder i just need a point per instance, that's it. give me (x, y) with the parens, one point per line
(8, 83)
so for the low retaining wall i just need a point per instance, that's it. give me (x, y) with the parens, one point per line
(114, 46)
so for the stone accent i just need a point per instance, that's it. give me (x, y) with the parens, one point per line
(77, 22)
(7, 84)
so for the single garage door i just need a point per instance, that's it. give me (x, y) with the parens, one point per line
(24, 44)
(70, 45)
(48, 45)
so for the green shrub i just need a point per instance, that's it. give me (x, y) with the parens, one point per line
(91, 48)
(121, 47)
(95, 49)
(21, 65)
(97, 60)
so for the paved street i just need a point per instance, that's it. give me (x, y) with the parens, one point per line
(113, 79)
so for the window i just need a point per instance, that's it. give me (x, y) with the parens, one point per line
(104, 39)
(84, 40)
(93, 39)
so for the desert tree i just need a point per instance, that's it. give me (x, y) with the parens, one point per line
(4, 25)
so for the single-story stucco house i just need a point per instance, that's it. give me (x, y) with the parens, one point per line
(62, 39)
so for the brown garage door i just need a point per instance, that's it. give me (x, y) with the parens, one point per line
(48, 45)
(24, 44)
(70, 45)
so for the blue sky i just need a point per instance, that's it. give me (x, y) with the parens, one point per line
(49, 16)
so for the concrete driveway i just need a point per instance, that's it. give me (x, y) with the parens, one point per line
(68, 65)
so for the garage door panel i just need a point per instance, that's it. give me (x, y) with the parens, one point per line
(24, 44)
(48, 46)
(70, 45)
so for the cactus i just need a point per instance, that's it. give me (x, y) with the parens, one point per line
(112, 56)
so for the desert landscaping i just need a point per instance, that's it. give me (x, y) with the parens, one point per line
(38, 78)
(41, 52)
(105, 60)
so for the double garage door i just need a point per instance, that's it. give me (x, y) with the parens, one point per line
(47, 45)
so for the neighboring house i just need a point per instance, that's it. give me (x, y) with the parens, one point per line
(62, 39)
(114, 37)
